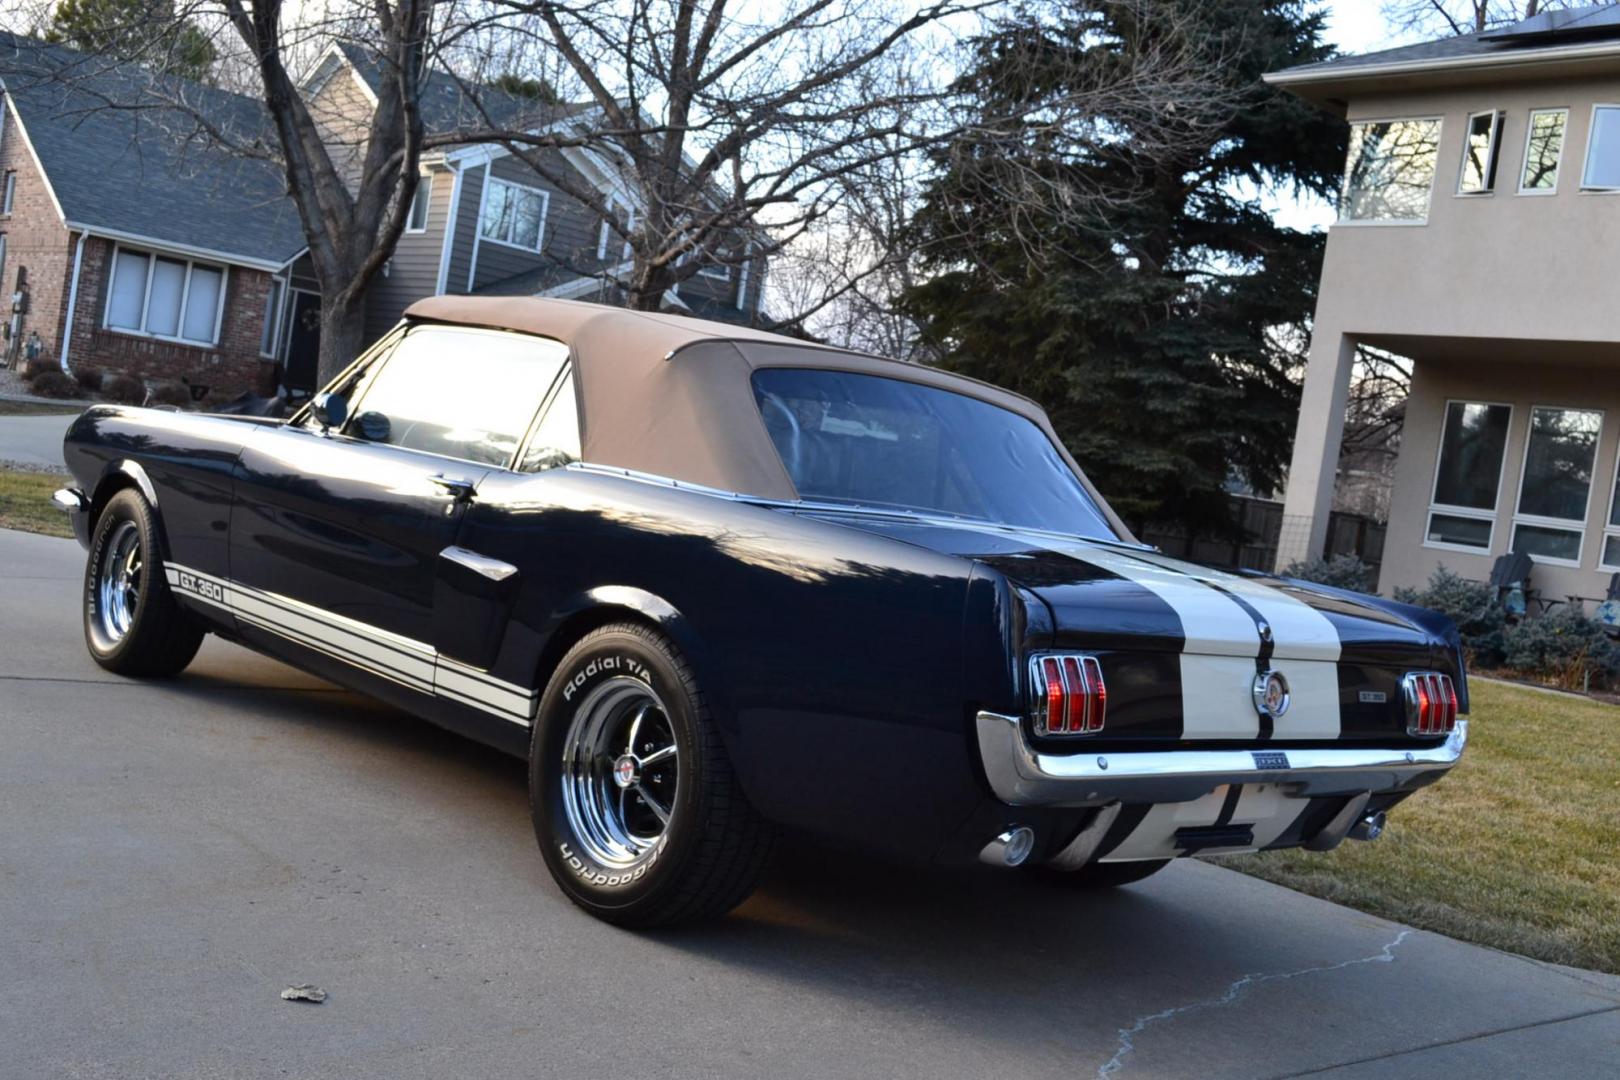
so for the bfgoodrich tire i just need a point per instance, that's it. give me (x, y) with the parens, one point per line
(635, 804)
(132, 624)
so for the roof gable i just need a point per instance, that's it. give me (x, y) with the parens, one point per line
(123, 159)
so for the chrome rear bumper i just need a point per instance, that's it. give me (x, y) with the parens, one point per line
(1022, 776)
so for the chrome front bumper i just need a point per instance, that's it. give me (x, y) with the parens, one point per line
(71, 501)
(1023, 776)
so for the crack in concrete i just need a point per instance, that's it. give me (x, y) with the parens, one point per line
(1127, 1035)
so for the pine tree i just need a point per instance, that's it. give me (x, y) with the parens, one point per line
(148, 32)
(1160, 318)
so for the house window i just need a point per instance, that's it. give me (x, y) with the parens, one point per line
(1602, 150)
(272, 324)
(514, 215)
(163, 297)
(1390, 171)
(1611, 529)
(1480, 150)
(721, 272)
(1543, 148)
(1557, 482)
(9, 195)
(626, 216)
(1473, 444)
(417, 222)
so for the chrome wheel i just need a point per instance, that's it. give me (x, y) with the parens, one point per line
(120, 577)
(620, 772)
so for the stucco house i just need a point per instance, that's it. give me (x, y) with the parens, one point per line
(1479, 236)
(130, 242)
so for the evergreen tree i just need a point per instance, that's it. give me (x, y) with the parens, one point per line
(1159, 315)
(147, 32)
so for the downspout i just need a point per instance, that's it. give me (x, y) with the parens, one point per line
(73, 299)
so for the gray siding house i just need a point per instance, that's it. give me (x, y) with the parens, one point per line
(485, 222)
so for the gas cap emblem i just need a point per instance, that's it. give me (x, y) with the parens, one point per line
(1271, 694)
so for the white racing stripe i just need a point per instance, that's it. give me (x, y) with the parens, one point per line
(1222, 642)
(391, 656)
(1299, 630)
(1264, 807)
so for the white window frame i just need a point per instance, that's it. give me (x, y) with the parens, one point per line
(1567, 525)
(1493, 150)
(8, 198)
(742, 277)
(605, 235)
(424, 191)
(1447, 510)
(545, 213)
(1563, 144)
(1391, 223)
(1586, 159)
(185, 294)
(1609, 529)
(274, 318)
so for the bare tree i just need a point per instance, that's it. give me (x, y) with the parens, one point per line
(1438, 18)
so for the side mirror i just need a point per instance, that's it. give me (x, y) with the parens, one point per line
(329, 410)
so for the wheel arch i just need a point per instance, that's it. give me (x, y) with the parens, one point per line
(608, 604)
(126, 474)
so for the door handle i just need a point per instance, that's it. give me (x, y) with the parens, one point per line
(457, 487)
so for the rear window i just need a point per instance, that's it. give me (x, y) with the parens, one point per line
(886, 443)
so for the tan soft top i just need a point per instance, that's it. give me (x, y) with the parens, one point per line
(672, 396)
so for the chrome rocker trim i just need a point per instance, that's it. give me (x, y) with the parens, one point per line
(1023, 776)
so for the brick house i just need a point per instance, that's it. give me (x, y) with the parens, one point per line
(139, 249)
(125, 246)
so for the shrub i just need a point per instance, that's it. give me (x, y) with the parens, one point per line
(1471, 605)
(53, 384)
(89, 378)
(1562, 647)
(169, 393)
(1341, 572)
(124, 389)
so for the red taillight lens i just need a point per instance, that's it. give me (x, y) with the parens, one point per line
(1431, 703)
(1067, 694)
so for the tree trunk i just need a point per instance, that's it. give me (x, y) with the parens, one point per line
(343, 335)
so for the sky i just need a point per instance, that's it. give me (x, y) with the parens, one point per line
(1355, 26)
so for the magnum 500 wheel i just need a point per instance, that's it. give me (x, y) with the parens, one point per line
(132, 624)
(636, 808)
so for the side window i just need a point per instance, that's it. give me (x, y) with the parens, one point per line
(556, 437)
(459, 392)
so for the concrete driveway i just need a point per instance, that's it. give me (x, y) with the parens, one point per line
(173, 855)
(33, 441)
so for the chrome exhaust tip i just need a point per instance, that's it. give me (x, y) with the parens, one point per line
(1370, 827)
(1010, 848)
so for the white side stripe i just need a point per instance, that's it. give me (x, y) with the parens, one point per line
(410, 663)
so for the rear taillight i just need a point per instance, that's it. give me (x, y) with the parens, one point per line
(1067, 695)
(1431, 703)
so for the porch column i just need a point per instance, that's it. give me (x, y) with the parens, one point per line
(1309, 497)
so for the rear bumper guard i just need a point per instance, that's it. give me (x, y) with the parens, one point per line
(1023, 776)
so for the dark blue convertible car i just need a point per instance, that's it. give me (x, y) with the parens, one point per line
(712, 583)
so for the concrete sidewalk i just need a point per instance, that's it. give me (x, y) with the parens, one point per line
(177, 853)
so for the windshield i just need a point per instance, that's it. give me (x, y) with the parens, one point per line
(887, 443)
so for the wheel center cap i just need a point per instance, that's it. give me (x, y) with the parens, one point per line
(625, 772)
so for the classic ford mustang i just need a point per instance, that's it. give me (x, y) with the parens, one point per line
(712, 583)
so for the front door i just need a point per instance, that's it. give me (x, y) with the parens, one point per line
(303, 342)
(337, 536)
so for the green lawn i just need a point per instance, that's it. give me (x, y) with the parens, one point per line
(1519, 848)
(31, 408)
(25, 502)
